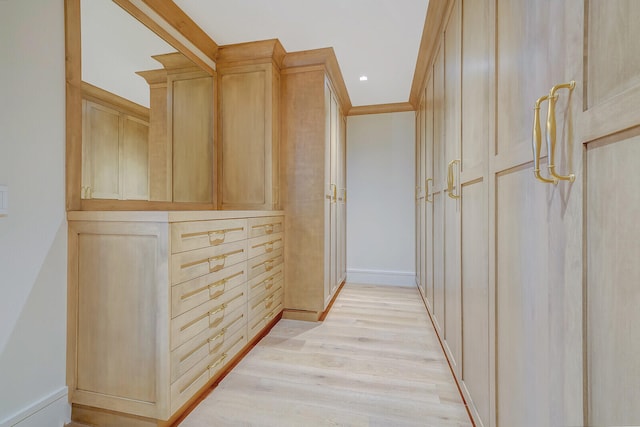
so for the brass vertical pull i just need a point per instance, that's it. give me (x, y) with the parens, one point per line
(335, 193)
(426, 191)
(551, 131)
(451, 179)
(536, 142)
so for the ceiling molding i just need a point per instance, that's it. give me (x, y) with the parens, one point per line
(398, 107)
(327, 58)
(251, 52)
(433, 26)
(175, 16)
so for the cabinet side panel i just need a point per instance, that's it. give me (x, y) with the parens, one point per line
(303, 167)
(117, 286)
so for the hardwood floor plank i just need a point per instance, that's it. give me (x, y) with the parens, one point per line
(374, 361)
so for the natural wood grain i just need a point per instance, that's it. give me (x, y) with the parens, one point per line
(375, 360)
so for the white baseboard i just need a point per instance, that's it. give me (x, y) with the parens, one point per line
(381, 277)
(51, 411)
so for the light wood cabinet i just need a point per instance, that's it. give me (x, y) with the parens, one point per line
(115, 132)
(161, 303)
(314, 196)
(532, 280)
(249, 125)
(181, 153)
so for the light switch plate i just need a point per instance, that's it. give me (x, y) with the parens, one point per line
(4, 200)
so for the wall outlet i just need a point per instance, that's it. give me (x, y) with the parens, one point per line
(4, 200)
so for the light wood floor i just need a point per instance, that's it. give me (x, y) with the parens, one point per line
(374, 361)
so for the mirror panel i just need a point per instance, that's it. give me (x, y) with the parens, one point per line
(147, 113)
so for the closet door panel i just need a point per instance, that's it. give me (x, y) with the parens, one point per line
(428, 214)
(613, 281)
(192, 140)
(475, 144)
(612, 180)
(453, 291)
(439, 195)
(522, 300)
(530, 60)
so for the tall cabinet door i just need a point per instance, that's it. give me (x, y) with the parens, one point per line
(475, 142)
(536, 254)
(428, 193)
(439, 187)
(452, 203)
(610, 130)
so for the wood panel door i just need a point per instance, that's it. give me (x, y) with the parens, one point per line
(421, 265)
(536, 246)
(439, 195)
(610, 131)
(452, 203)
(428, 193)
(476, 136)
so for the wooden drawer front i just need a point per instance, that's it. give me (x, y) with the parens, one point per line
(264, 263)
(192, 264)
(265, 226)
(266, 281)
(197, 377)
(192, 293)
(260, 322)
(206, 316)
(262, 304)
(265, 244)
(206, 342)
(187, 236)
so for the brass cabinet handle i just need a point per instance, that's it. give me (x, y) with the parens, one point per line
(536, 142)
(450, 179)
(426, 191)
(551, 131)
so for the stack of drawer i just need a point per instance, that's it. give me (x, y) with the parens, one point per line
(208, 301)
(266, 272)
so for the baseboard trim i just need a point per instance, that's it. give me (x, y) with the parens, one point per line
(44, 409)
(381, 277)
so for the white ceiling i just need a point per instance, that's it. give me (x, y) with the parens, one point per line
(376, 38)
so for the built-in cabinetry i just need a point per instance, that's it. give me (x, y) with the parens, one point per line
(527, 243)
(314, 188)
(249, 125)
(181, 131)
(115, 132)
(161, 303)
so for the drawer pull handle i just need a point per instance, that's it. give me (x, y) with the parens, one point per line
(269, 316)
(268, 264)
(267, 244)
(211, 233)
(213, 240)
(268, 302)
(268, 228)
(215, 322)
(217, 266)
(217, 346)
(218, 362)
(268, 283)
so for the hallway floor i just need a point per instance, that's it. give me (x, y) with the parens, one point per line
(374, 361)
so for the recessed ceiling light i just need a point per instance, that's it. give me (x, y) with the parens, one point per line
(363, 78)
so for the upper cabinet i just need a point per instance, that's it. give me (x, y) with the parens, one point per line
(248, 125)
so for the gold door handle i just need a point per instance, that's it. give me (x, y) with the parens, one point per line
(551, 131)
(536, 142)
(426, 191)
(450, 179)
(335, 193)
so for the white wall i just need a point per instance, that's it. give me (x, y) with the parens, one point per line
(33, 237)
(380, 201)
